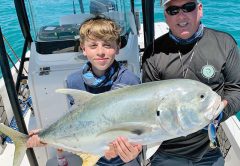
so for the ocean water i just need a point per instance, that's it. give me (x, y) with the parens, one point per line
(218, 14)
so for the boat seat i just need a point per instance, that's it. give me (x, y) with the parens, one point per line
(60, 39)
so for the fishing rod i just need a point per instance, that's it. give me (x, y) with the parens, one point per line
(14, 53)
(74, 9)
(81, 6)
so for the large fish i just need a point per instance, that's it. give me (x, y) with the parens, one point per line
(147, 114)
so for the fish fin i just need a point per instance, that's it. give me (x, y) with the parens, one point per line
(119, 86)
(80, 97)
(88, 159)
(20, 141)
(151, 149)
(134, 128)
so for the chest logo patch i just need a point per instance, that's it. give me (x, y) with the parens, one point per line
(208, 71)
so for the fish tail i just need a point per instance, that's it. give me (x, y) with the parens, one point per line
(20, 141)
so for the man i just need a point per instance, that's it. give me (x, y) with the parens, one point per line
(192, 51)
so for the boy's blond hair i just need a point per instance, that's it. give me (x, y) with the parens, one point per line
(101, 28)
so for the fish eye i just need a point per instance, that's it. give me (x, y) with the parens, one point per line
(202, 96)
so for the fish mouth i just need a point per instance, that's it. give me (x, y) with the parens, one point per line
(219, 109)
(215, 111)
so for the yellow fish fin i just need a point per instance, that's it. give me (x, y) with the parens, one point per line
(88, 159)
(80, 97)
(20, 141)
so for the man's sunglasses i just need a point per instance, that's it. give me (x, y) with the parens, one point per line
(187, 7)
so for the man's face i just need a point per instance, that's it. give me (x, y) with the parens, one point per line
(183, 24)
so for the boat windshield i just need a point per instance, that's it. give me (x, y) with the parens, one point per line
(60, 20)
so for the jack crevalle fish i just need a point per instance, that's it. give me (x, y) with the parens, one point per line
(148, 113)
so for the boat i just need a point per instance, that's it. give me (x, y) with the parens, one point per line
(51, 52)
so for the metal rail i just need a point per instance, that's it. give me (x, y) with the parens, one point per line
(9, 83)
(148, 21)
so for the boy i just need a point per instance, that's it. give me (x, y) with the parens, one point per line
(100, 43)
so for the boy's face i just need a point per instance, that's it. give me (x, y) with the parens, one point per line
(101, 54)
